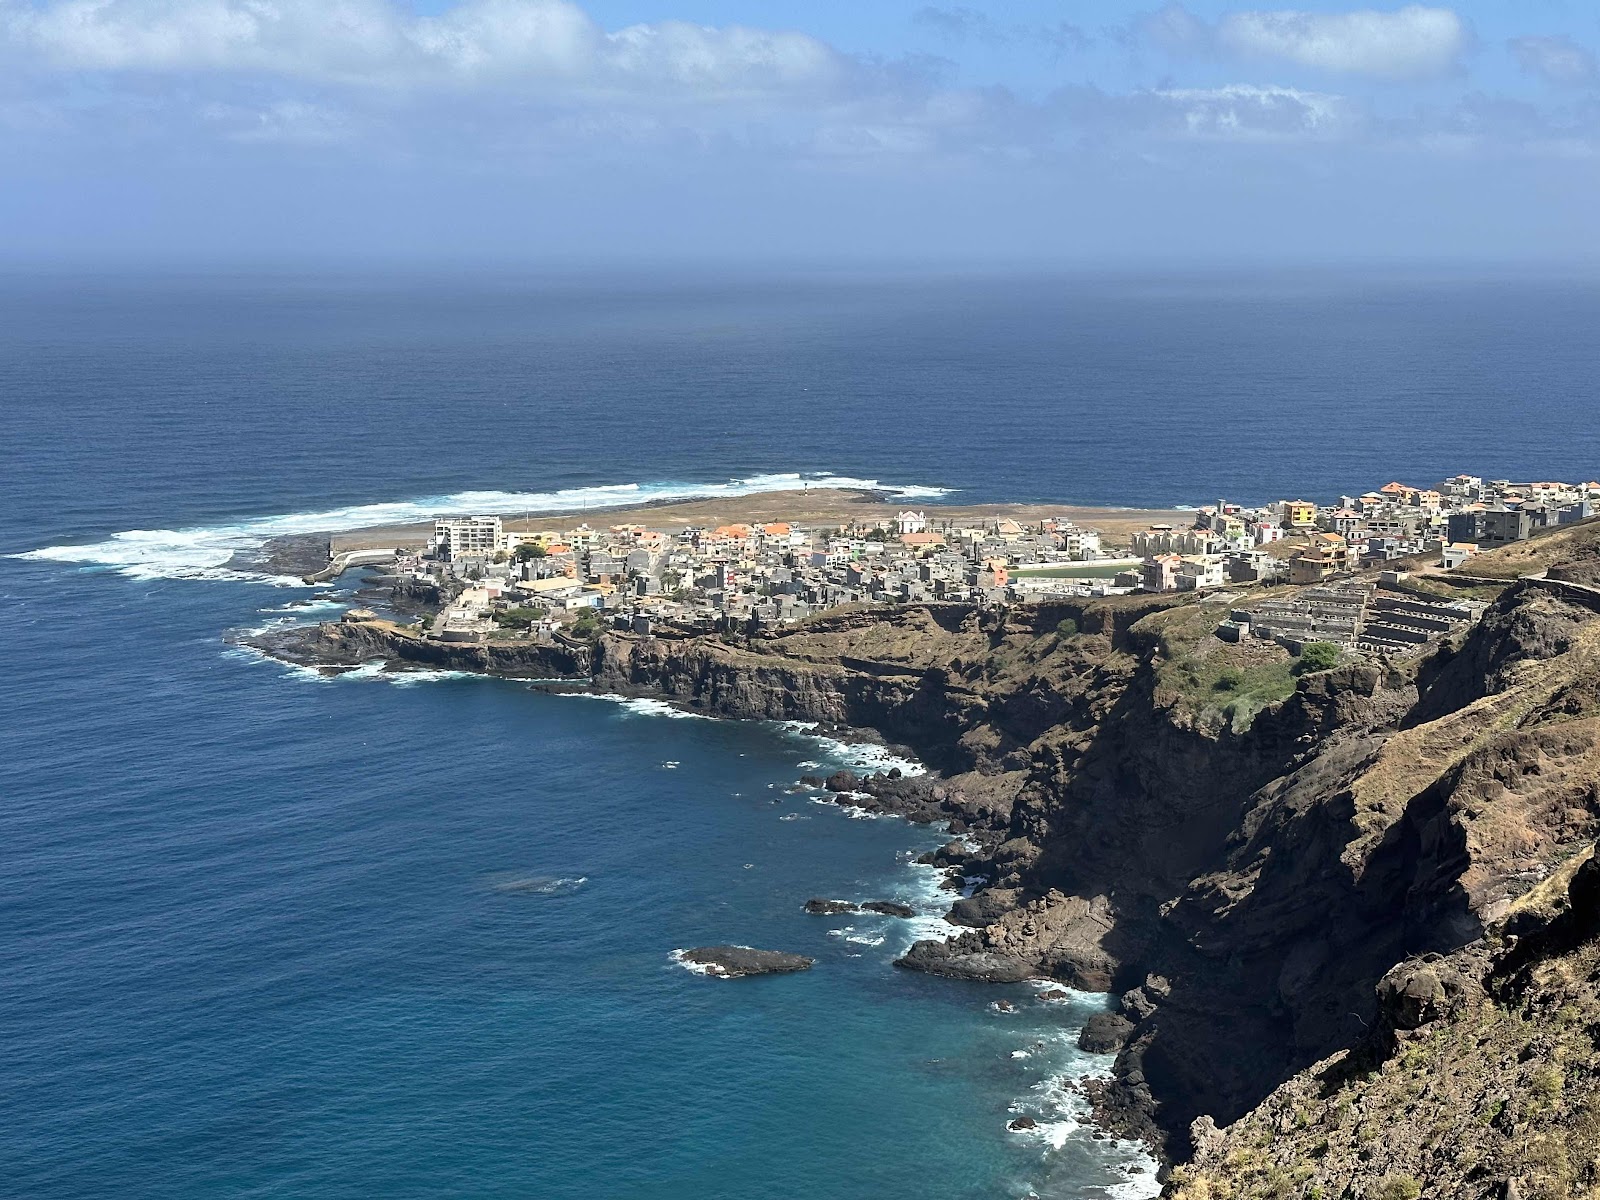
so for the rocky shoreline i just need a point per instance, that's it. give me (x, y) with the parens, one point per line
(1242, 879)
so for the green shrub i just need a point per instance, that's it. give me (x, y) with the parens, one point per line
(518, 618)
(1228, 680)
(1397, 1187)
(1067, 628)
(1547, 1082)
(1318, 656)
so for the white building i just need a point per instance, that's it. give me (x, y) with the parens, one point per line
(455, 537)
(911, 522)
(1081, 543)
(1196, 574)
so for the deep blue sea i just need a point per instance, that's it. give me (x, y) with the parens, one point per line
(268, 934)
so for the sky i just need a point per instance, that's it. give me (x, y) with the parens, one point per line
(830, 131)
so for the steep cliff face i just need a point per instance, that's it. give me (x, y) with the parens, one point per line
(1241, 853)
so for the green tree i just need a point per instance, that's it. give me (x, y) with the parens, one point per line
(1318, 656)
(1067, 627)
(521, 617)
(530, 550)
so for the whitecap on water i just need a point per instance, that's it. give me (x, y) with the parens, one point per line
(866, 758)
(411, 678)
(638, 706)
(540, 885)
(203, 551)
(696, 968)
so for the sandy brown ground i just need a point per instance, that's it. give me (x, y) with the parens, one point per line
(809, 507)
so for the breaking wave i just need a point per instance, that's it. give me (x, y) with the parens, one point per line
(203, 552)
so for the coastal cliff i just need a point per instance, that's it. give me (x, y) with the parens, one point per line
(1291, 881)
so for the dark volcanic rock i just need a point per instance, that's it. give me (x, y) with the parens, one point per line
(1022, 1123)
(1136, 1003)
(843, 781)
(734, 962)
(984, 908)
(889, 908)
(828, 908)
(295, 554)
(965, 959)
(347, 643)
(1105, 1033)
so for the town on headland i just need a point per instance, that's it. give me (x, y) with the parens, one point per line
(1388, 570)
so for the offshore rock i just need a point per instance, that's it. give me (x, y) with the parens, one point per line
(889, 908)
(826, 908)
(736, 962)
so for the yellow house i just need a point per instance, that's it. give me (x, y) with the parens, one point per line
(1299, 514)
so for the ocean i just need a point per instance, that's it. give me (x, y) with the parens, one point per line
(264, 933)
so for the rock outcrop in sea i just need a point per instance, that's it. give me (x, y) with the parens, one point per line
(735, 962)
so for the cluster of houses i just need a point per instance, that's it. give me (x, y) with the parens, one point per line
(748, 576)
(1301, 542)
(508, 584)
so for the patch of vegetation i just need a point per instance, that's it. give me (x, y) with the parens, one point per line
(587, 625)
(1221, 683)
(1229, 692)
(1067, 628)
(1318, 656)
(530, 550)
(521, 617)
(1397, 1187)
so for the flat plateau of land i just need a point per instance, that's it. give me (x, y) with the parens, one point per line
(804, 507)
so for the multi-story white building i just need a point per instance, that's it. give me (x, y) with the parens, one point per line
(1081, 543)
(456, 537)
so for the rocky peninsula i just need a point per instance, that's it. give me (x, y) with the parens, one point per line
(1348, 921)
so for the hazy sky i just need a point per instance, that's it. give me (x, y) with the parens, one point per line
(828, 129)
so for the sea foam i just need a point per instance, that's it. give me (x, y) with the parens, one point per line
(203, 552)
(863, 757)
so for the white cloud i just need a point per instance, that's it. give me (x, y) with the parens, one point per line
(1250, 113)
(1411, 42)
(528, 82)
(1557, 60)
(1238, 112)
(528, 43)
